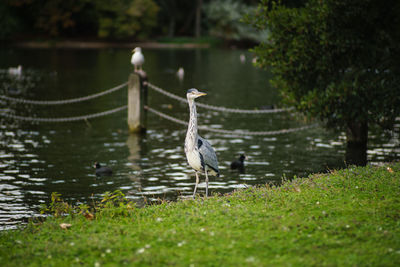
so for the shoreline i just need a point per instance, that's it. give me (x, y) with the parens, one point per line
(99, 45)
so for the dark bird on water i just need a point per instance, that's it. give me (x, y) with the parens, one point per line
(102, 170)
(239, 163)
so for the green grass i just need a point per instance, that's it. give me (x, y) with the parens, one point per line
(349, 217)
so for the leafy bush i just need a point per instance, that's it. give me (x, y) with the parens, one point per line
(113, 204)
(57, 206)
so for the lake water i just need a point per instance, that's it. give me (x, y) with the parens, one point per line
(37, 159)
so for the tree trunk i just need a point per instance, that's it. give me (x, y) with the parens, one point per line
(197, 26)
(171, 27)
(357, 138)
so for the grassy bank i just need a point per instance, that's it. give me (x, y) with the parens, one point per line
(347, 218)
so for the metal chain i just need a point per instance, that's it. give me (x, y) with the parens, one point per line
(236, 132)
(61, 102)
(222, 109)
(66, 119)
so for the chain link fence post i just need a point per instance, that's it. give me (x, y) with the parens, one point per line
(137, 99)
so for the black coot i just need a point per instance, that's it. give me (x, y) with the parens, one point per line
(238, 164)
(102, 170)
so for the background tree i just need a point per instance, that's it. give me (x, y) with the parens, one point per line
(197, 24)
(9, 21)
(224, 20)
(180, 17)
(338, 61)
(127, 18)
(118, 19)
(46, 17)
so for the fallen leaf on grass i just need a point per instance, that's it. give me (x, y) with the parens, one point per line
(389, 170)
(65, 225)
(89, 216)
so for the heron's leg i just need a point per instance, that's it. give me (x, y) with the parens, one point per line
(206, 182)
(197, 182)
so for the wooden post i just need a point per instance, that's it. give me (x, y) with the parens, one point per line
(137, 99)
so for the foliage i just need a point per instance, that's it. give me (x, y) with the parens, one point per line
(112, 204)
(9, 22)
(115, 204)
(225, 20)
(56, 15)
(49, 17)
(336, 60)
(109, 18)
(57, 206)
(121, 19)
(176, 17)
(344, 218)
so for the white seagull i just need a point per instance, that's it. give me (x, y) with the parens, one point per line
(137, 59)
(15, 71)
(180, 73)
(242, 58)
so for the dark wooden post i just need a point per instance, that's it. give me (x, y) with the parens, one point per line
(137, 99)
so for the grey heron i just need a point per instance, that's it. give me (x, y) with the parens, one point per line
(137, 59)
(199, 153)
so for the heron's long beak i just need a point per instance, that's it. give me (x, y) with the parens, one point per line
(201, 94)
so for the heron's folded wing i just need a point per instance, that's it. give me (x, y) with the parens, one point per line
(208, 153)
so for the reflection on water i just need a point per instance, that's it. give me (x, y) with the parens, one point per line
(38, 159)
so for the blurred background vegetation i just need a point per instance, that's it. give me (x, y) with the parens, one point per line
(129, 20)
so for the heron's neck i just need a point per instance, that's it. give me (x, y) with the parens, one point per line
(192, 128)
